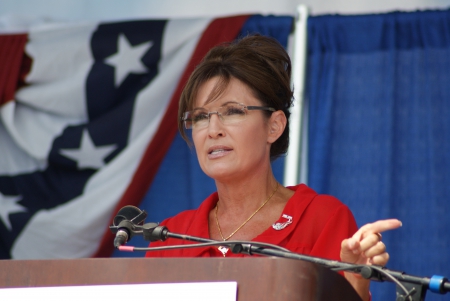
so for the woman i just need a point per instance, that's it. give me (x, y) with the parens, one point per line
(236, 103)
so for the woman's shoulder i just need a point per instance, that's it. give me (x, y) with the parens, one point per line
(187, 218)
(180, 218)
(306, 195)
(321, 210)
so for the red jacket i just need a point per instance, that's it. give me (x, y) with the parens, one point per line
(318, 225)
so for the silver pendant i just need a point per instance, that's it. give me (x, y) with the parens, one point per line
(281, 226)
(223, 249)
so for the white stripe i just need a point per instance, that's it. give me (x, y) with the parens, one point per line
(61, 62)
(31, 133)
(14, 160)
(54, 99)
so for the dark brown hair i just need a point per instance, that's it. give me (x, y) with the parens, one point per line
(259, 62)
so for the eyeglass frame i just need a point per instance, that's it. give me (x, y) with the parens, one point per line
(248, 108)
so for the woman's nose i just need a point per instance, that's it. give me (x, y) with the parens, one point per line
(215, 126)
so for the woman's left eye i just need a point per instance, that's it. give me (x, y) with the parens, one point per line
(234, 111)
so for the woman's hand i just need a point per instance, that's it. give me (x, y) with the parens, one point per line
(366, 247)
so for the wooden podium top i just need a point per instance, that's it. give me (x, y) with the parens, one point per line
(258, 278)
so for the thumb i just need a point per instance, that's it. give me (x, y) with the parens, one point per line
(350, 250)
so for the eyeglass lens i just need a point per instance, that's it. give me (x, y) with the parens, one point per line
(229, 113)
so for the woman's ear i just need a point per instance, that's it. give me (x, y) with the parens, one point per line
(277, 124)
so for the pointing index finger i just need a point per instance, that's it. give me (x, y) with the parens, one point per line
(377, 227)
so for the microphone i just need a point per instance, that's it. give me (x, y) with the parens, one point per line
(125, 223)
(121, 238)
(125, 231)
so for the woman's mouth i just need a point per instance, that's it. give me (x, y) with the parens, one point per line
(218, 152)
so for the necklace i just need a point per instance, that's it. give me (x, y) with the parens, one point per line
(246, 221)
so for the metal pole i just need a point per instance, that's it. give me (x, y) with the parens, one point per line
(298, 56)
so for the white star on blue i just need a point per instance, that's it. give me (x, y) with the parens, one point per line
(89, 155)
(127, 59)
(9, 205)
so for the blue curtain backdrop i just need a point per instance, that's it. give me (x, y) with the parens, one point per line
(379, 129)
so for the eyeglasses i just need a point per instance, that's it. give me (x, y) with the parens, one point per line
(229, 113)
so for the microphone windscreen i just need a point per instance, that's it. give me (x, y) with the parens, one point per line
(126, 213)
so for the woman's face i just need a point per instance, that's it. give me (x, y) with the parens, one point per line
(231, 151)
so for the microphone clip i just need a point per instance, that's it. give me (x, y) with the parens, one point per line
(154, 232)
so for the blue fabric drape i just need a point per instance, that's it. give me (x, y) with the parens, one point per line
(180, 184)
(379, 129)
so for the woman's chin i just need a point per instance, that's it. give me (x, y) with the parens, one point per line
(222, 174)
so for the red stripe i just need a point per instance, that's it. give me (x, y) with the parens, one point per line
(219, 31)
(14, 64)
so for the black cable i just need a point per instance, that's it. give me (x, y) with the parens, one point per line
(211, 244)
(381, 271)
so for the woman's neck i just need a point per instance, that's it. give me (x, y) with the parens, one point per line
(243, 196)
(247, 208)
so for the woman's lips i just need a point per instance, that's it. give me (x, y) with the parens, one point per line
(218, 152)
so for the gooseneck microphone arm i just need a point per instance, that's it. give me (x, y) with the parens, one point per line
(411, 288)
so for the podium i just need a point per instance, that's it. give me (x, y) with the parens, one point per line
(258, 278)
